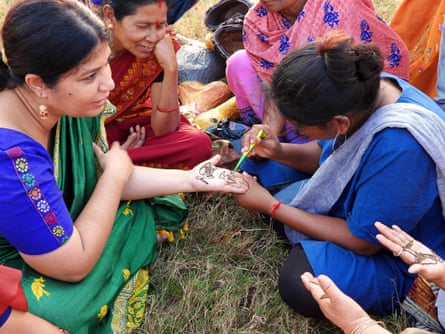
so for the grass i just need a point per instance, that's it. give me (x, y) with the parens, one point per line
(223, 277)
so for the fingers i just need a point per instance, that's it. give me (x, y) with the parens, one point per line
(215, 159)
(392, 238)
(136, 138)
(252, 137)
(97, 150)
(313, 285)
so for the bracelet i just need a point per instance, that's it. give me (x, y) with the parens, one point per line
(175, 108)
(275, 208)
(366, 324)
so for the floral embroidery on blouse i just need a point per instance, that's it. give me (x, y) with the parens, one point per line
(34, 193)
(330, 16)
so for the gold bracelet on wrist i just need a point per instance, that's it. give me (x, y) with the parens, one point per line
(366, 324)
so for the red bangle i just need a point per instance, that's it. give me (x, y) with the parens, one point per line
(275, 208)
(176, 108)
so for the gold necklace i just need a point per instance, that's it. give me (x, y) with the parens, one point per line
(24, 101)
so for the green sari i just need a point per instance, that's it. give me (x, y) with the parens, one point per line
(112, 298)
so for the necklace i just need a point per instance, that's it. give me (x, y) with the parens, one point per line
(24, 101)
(39, 131)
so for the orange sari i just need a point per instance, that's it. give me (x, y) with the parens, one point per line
(419, 24)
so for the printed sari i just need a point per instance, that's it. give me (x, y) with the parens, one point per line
(269, 36)
(420, 26)
(112, 298)
(183, 148)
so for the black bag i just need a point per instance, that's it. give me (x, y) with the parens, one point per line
(226, 18)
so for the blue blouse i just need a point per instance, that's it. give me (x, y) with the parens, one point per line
(395, 183)
(34, 218)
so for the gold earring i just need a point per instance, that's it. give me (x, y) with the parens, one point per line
(43, 110)
(110, 26)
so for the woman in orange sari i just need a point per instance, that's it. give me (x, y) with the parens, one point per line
(420, 27)
(148, 122)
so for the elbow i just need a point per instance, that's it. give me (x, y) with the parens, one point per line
(75, 277)
(166, 130)
(70, 276)
(366, 249)
(163, 132)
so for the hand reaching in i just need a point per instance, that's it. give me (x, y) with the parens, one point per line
(339, 308)
(422, 259)
(115, 161)
(136, 138)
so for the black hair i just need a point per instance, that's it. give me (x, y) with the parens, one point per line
(124, 8)
(327, 77)
(47, 38)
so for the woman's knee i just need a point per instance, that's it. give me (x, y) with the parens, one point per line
(238, 66)
(291, 287)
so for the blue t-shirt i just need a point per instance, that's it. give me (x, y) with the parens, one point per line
(34, 218)
(395, 183)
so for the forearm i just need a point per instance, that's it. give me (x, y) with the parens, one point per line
(365, 325)
(96, 220)
(302, 157)
(272, 117)
(321, 227)
(165, 117)
(150, 182)
(26, 323)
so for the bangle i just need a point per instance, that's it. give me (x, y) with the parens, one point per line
(275, 208)
(175, 108)
(366, 324)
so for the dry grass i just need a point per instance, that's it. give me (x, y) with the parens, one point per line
(227, 286)
(221, 279)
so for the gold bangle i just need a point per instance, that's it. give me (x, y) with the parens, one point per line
(366, 324)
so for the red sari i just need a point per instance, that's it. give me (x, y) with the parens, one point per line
(11, 291)
(183, 148)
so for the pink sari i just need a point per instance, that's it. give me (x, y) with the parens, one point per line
(269, 37)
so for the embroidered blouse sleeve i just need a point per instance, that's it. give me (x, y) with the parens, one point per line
(34, 217)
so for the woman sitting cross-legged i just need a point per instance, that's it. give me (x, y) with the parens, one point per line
(373, 156)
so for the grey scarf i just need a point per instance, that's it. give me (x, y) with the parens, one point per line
(328, 182)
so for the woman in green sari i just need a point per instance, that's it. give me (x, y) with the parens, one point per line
(75, 218)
